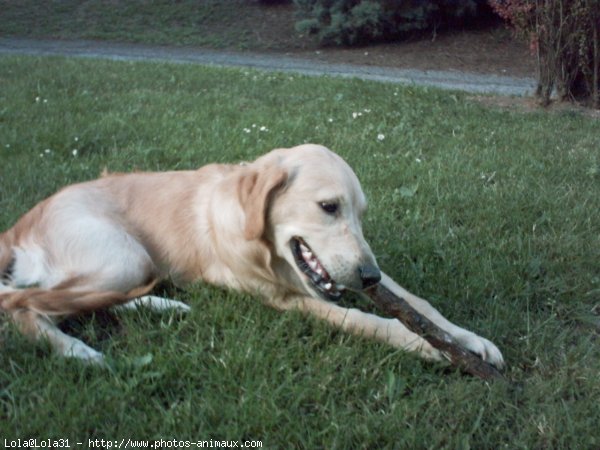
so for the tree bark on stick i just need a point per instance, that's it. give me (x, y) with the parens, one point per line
(417, 323)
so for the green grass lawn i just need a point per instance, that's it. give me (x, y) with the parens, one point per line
(492, 215)
(234, 24)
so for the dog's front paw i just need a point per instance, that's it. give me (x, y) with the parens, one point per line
(430, 353)
(481, 347)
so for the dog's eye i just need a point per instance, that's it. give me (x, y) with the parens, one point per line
(329, 208)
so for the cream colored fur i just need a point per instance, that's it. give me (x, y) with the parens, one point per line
(105, 242)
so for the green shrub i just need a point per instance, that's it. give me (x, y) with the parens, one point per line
(358, 21)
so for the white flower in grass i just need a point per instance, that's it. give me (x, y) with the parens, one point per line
(47, 151)
(263, 128)
(330, 120)
(380, 137)
(74, 152)
(247, 130)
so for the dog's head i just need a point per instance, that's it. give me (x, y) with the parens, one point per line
(308, 203)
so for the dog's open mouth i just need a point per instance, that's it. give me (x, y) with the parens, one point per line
(310, 266)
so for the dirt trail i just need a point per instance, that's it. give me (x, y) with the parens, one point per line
(469, 82)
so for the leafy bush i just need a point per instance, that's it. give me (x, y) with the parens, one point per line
(358, 21)
(564, 36)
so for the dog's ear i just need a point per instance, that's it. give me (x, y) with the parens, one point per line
(255, 190)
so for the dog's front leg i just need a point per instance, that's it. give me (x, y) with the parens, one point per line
(477, 344)
(360, 323)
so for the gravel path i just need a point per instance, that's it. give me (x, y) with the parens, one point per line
(476, 83)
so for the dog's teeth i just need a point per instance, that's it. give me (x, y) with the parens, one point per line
(316, 273)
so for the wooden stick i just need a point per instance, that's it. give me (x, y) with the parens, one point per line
(417, 323)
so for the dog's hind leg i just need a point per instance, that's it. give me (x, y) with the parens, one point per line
(34, 310)
(39, 327)
(156, 304)
(66, 257)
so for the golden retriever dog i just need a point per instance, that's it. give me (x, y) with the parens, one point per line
(286, 227)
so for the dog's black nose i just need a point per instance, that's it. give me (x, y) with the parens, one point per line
(369, 275)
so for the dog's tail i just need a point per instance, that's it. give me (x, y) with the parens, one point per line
(62, 300)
